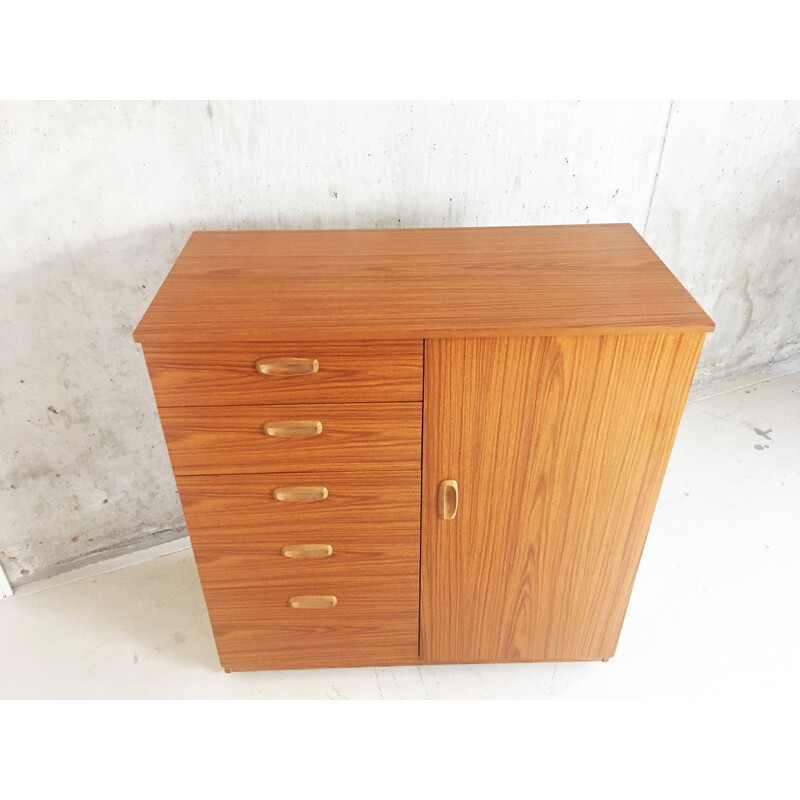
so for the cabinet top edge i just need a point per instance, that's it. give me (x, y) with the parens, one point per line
(416, 283)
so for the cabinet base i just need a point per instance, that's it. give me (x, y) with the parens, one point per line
(418, 663)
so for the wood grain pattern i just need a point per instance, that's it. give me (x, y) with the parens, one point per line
(223, 373)
(558, 434)
(207, 440)
(371, 520)
(238, 529)
(374, 622)
(244, 286)
(559, 446)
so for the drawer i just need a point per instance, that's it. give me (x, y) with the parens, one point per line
(242, 536)
(375, 621)
(208, 440)
(228, 374)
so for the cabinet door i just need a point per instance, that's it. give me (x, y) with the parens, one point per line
(558, 446)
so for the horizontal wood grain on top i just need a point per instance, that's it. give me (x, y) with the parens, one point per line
(223, 373)
(416, 283)
(237, 528)
(209, 440)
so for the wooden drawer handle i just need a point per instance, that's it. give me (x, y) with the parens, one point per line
(300, 494)
(313, 601)
(306, 551)
(293, 428)
(448, 499)
(287, 367)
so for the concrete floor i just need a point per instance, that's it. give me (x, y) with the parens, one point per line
(713, 614)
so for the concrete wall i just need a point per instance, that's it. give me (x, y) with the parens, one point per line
(97, 199)
(725, 218)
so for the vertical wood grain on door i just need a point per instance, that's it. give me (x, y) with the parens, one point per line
(559, 446)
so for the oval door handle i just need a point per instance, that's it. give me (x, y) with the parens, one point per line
(313, 601)
(286, 367)
(293, 428)
(300, 494)
(448, 499)
(307, 551)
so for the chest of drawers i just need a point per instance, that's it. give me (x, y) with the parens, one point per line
(419, 446)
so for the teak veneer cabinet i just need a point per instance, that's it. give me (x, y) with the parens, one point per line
(419, 446)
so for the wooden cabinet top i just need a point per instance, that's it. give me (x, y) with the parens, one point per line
(417, 283)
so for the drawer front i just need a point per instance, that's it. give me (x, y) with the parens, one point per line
(285, 372)
(367, 525)
(374, 622)
(228, 440)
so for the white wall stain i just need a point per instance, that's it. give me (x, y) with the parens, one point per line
(726, 220)
(97, 199)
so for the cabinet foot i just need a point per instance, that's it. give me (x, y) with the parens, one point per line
(604, 660)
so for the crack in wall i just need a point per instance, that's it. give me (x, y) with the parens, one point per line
(658, 166)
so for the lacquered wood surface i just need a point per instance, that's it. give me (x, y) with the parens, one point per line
(559, 446)
(370, 519)
(375, 622)
(426, 283)
(208, 440)
(554, 427)
(238, 529)
(224, 373)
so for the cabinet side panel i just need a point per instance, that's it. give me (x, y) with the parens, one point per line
(559, 446)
